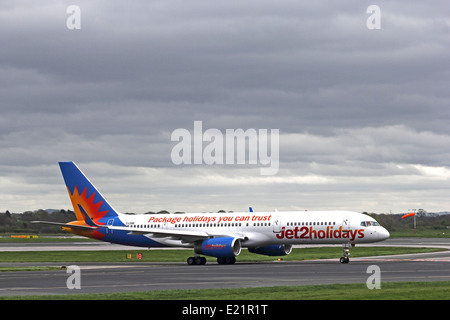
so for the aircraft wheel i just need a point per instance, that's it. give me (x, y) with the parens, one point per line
(196, 261)
(227, 260)
(230, 260)
(200, 261)
(344, 260)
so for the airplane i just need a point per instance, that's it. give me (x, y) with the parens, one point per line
(219, 235)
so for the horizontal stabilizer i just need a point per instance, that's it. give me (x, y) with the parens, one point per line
(66, 225)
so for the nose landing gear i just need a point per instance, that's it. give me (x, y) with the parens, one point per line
(345, 257)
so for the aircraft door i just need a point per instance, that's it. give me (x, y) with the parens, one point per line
(346, 224)
(277, 224)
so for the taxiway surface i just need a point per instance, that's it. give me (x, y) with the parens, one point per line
(126, 277)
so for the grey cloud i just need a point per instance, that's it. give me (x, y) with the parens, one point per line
(349, 102)
(378, 145)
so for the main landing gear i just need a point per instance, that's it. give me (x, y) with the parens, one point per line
(345, 257)
(227, 260)
(196, 260)
(202, 260)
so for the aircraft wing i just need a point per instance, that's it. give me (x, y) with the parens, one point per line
(183, 235)
(187, 236)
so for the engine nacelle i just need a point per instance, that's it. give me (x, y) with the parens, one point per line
(219, 247)
(273, 250)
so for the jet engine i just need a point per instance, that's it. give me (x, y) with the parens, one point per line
(273, 250)
(219, 247)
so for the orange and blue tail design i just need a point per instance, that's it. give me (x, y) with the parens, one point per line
(95, 216)
(87, 201)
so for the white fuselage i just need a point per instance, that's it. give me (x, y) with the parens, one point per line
(258, 229)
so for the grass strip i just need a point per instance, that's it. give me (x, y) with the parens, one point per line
(438, 290)
(297, 254)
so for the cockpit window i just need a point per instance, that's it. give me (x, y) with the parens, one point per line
(369, 224)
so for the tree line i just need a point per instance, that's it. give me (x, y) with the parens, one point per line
(425, 221)
(17, 223)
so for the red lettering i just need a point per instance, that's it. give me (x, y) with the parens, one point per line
(328, 233)
(361, 233)
(296, 230)
(337, 233)
(312, 233)
(281, 234)
(304, 235)
(289, 234)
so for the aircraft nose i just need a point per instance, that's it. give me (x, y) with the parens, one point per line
(383, 234)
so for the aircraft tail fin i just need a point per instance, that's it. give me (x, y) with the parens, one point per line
(89, 204)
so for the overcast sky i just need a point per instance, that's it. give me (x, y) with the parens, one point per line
(363, 115)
